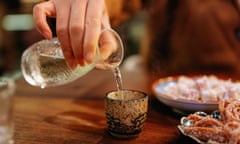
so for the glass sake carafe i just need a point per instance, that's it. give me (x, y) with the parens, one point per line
(43, 63)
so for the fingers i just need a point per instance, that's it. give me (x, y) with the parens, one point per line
(76, 28)
(108, 44)
(105, 20)
(108, 40)
(40, 13)
(62, 25)
(92, 29)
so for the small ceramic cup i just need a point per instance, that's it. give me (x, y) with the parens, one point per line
(126, 112)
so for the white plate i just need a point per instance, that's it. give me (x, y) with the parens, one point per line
(179, 105)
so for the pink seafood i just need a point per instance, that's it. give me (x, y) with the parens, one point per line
(222, 131)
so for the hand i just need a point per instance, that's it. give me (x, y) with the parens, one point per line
(78, 26)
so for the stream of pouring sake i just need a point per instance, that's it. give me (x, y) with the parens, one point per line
(118, 78)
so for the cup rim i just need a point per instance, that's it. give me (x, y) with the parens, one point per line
(132, 90)
(9, 84)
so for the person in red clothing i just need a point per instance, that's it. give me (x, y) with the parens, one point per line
(182, 36)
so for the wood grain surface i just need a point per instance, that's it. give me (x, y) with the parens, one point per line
(74, 113)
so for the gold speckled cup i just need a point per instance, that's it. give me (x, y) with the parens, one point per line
(126, 112)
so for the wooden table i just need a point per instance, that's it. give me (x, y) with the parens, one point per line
(74, 113)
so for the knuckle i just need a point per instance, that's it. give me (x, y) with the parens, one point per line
(93, 22)
(76, 28)
(61, 31)
(37, 8)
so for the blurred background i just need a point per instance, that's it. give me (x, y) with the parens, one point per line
(17, 32)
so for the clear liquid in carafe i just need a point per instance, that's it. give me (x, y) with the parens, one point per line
(51, 71)
(43, 63)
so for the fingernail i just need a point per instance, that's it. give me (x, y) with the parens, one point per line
(72, 64)
(47, 35)
(82, 62)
